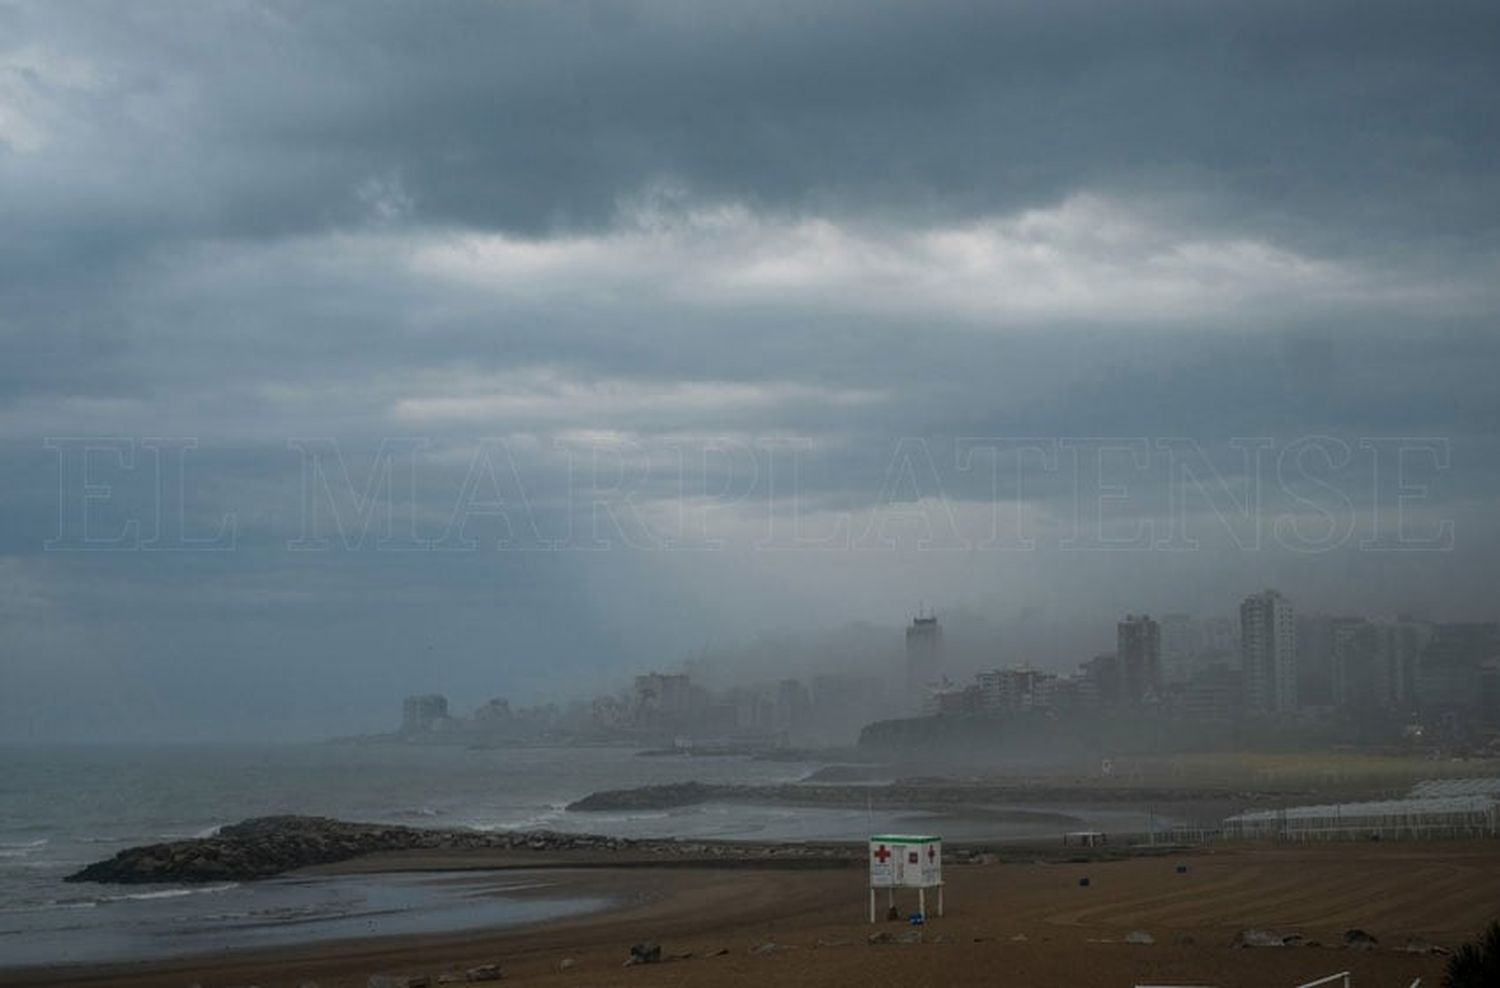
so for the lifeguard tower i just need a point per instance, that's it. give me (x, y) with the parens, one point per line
(906, 861)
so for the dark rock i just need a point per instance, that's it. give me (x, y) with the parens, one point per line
(398, 981)
(1265, 938)
(644, 953)
(1360, 940)
(885, 936)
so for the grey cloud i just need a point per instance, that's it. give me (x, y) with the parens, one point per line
(211, 216)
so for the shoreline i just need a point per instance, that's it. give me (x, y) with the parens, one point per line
(1022, 915)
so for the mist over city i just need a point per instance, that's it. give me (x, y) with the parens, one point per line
(1038, 273)
(761, 426)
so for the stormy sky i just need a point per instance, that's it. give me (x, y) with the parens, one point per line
(507, 348)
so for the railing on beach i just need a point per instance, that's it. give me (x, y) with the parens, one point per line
(1342, 979)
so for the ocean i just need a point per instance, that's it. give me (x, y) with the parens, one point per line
(61, 808)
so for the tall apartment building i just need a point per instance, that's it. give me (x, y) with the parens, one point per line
(1268, 653)
(1181, 645)
(924, 659)
(1138, 648)
(423, 713)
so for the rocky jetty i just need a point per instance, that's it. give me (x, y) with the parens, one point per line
(657, 797)
(273, 845)
(913, 793)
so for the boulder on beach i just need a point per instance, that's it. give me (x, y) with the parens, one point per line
(644, 953)
(398, 981)
(1265, 938)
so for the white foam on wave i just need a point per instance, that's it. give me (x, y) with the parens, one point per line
(20, 849)
(535, 821)
(169, 893)
(211, 831)
(420, 811)
(91, 902)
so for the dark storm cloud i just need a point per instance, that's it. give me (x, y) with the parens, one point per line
(265, 119)
(629, 226)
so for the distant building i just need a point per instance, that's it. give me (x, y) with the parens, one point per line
(1219, 640)
(1138, 649)
(1317, 635)
(1014, 690)
(423, 713)
(1407, 640)
(754, 711)
(1451, 680)
(1268, 653)
(1181, 644)
(924, 658)
(667, 694)
(1215, 693)
(947, 697)
(1101, 686)
(1361, 667)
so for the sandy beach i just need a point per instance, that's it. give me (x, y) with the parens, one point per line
(1016, 921)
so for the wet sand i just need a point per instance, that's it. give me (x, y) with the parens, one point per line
(1015, 923)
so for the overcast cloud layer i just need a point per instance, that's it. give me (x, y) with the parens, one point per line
(672, 324)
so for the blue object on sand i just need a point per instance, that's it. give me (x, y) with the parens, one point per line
(916, 919)
(1083, 883)
(1182, 869)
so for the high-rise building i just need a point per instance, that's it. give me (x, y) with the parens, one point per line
(1361, 668)
(1101, 682)
(1268, 653)
(1450, 677)
(1317, 636)
(1181, 645)
(924, 658)
(423, 713)
(1138, 647)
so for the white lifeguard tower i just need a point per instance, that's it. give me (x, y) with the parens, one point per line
(906, 861)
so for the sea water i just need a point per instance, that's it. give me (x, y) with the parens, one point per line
(61, 808)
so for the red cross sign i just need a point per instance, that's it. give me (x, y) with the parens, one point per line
(882, 855)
